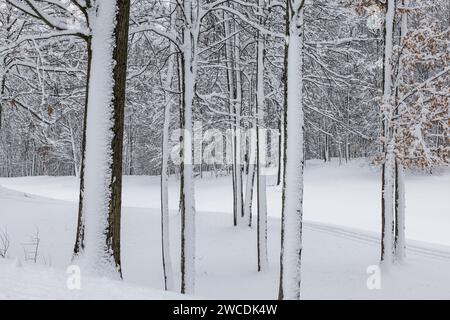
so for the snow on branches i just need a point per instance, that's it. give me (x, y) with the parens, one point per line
(423, 106)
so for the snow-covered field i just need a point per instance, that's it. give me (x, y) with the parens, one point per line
(25, 281)
(342, 209)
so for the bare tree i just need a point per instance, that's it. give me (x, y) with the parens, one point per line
(4, 243)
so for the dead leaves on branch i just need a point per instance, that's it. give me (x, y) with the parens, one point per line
(420, 111)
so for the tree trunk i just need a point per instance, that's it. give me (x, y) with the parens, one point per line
(2, 89)
(387, 209)
(235, 98)
(280, 149)
(399, 241)
(260, 153)
(187, 199)
(3, 64)
(74, 150)
(251, 159)
(388, 141)
(79, 240)
(238, 136)
(101, 200)
(292, 201)
(165, 239)
(250, 174)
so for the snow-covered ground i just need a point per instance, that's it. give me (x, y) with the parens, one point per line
(342, 207)
(27, 281)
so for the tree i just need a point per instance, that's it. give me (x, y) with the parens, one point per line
(421, 107)
(260, 148)
(105, 29)
(292, 205)
(388, 166)
(101, 204)
(168, 102)
(412, 112)
(235, 103)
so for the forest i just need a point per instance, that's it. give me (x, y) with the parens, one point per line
(179, 145)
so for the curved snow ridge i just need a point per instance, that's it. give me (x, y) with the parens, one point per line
(11, 193)
(424, 249)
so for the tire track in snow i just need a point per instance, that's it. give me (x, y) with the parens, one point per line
(342, 232)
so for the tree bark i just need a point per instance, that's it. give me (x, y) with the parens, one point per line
(79, 240)
(101, 182)
(292, 201)
(399, 241)
(165, 238)
(388, 141)
(261, 152)
(187, 198)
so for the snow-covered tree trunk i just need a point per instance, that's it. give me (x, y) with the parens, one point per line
(2, 87)
(101, 201)
(165, 230)
(400, 237)
(250, 183)
(292, 203)
(399, 241)
(128, 157)
(79, 237)
(5, 37)
(280, 150)
(187, 199)
(347, 132)
(232, 100)
(76, 162)
(388, 181)
(263, 261)
(238, 135)
(388, 170)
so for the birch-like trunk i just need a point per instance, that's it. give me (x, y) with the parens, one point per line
(76, 163)
(263, 261)
(3, 63)
(2, 87)
(400, 237)
(388, 179)
(280, 150)
(387, 236)
(165, 230)
(238, 136)
(187, 199)
(250, 183)
(251, 160)
(399, 241)
(292, 203)
(231, 97)
(79, 238)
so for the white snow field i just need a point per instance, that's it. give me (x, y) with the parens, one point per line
(26, 281)
(342, 209)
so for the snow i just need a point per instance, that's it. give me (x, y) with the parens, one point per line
(27, 281)
(347, 195)
(341, 200)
